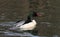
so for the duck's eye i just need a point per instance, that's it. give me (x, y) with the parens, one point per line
(35, 14)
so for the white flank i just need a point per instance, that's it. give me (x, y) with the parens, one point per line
(28, 26)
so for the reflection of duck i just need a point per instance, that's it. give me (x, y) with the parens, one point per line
(28, 24)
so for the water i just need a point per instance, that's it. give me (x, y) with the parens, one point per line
(4, 32)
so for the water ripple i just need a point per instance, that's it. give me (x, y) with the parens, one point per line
(4, 32)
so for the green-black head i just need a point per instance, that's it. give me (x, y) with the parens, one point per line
(34, 14)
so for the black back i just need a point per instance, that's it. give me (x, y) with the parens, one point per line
(28, 20)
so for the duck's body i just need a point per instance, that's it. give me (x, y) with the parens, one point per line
(28, 24)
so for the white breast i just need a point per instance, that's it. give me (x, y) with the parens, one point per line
(28, 26)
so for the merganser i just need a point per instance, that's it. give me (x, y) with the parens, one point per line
(28, 24)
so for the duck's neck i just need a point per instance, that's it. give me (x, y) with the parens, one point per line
(29, 18)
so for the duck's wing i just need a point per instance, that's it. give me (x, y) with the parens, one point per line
(20, 23)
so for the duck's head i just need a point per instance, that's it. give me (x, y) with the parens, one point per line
(35, 14)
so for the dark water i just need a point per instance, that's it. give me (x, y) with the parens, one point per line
(5, 32)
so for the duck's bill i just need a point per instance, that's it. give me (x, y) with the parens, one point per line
(40, 14)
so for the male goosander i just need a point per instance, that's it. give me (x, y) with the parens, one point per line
(28, 24)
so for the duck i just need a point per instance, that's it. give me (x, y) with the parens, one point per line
(29, 23)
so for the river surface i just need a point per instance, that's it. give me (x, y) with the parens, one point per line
(5, 32)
